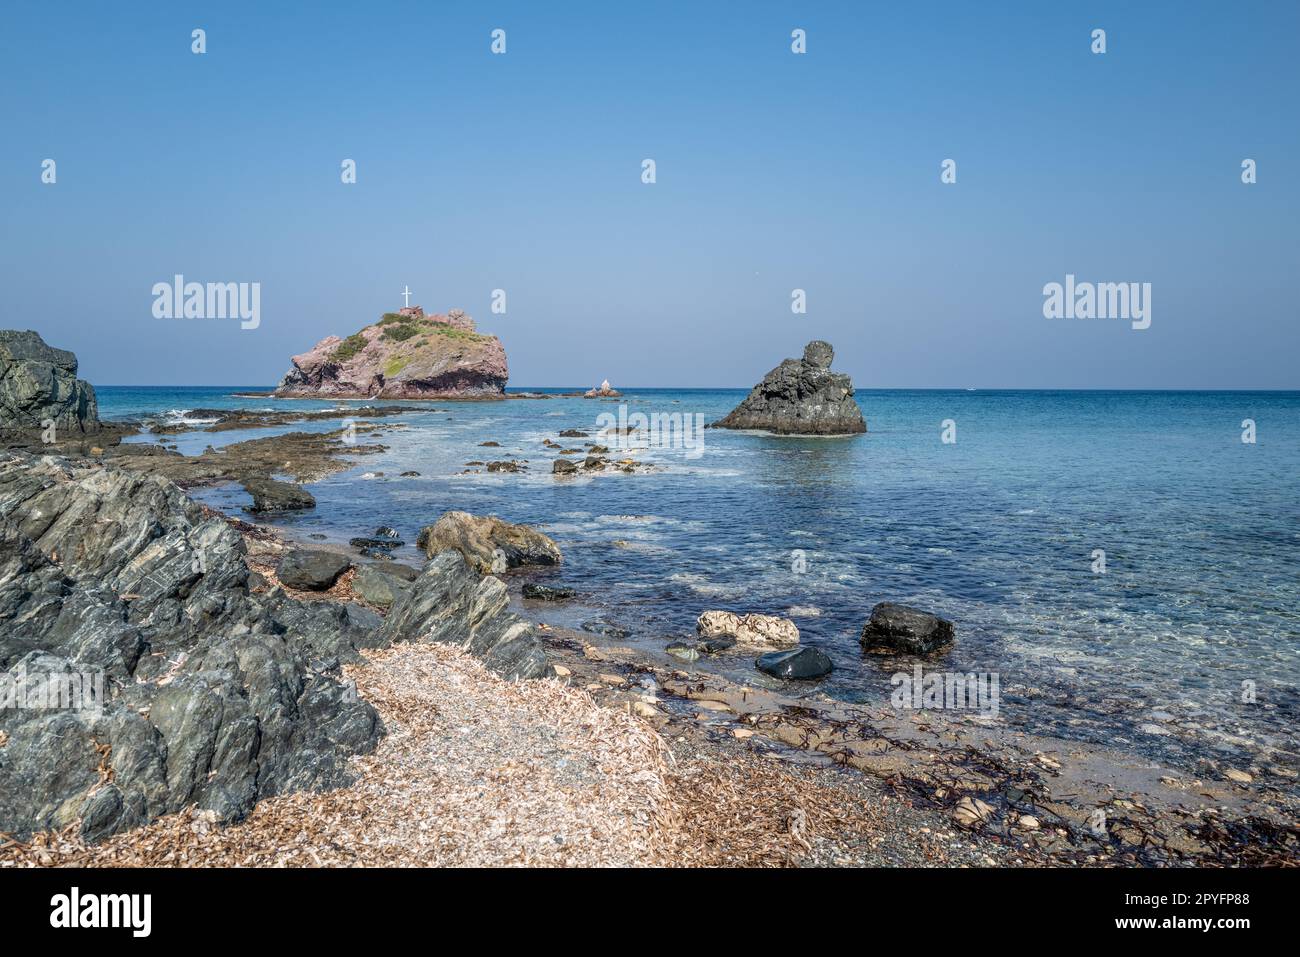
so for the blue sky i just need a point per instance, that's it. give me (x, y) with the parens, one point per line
(775, 171)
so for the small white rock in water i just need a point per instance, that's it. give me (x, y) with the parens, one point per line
(803, 611)
(1241, 777)
(754, 631)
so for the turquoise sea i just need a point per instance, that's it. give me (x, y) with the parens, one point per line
(1186, 647)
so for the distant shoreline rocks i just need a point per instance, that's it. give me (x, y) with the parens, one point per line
(800, 397)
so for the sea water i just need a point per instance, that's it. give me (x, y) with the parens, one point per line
(1182, 642)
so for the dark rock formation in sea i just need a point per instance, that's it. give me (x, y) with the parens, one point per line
(800, 397)
(39, 384)
(405, 355)
(212, 695)
(899, 629)
(488, 543)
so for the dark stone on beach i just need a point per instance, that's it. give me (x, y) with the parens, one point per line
(564, 467)
(573, 434)
(800, 397)
(254, 704)
(899, 629)
(599, 626)
(548, 592)
(396, 569)
(311, 570)
(270, 495)
(39, 385)
(799, 664)
(377, 587)
(376, 544)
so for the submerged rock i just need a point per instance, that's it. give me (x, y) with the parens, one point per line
(683, 650)
(799, 664)
(39, 385)
(311, 569)
(488, 543)
(800, 397)
(548, 592)
(270, 495)
(753, 631)
(900, 629)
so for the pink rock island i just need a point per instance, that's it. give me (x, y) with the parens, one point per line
(405, 355)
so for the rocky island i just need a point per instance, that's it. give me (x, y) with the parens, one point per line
(800, 397)
(404, 355)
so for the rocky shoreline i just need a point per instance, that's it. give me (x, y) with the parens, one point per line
(234, 667)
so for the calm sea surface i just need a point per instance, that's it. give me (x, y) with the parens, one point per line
(1199, 603)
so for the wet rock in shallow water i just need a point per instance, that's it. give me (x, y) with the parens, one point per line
(573, 434)
(376, 544)
(753, 631)
(712, 646)
(599, 626)
(593, 462)
(507, 466)
(490, 445)
(684, 650)
(385, 531)
(487, 542)
(548, 592)
(311, 570)
(800, 664)
(563, 467)
(900, 629)
(377, 587)
(410, 473)
(270, 495)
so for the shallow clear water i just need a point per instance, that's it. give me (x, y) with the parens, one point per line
(997, 532)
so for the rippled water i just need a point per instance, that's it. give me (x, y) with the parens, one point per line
(996, 532)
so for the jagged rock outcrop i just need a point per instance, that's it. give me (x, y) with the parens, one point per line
(212, 695)
(800, 397)
(451, 603)
(39, 384)
(405, 355)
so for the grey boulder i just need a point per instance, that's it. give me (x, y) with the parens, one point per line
(311, 569)
(39, 384)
